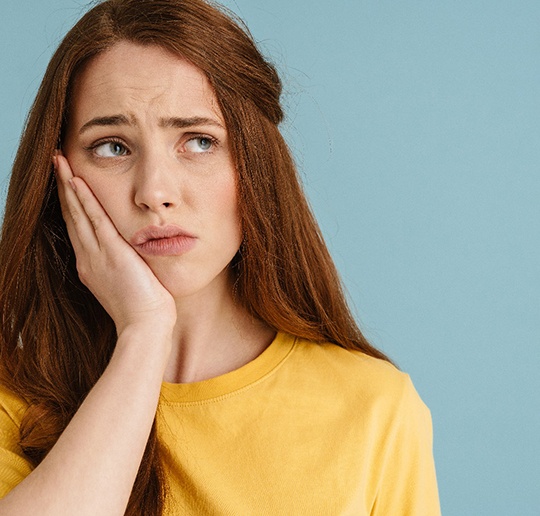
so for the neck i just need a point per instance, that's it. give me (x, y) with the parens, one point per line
(213, 336)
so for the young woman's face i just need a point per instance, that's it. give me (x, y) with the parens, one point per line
(146, 133)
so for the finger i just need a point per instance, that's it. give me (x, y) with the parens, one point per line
(65, 198)
(80, 229)
(102, 225)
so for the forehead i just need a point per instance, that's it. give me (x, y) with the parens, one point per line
(141, 79)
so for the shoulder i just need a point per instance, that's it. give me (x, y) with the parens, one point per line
(390, 426)
(362, 373)
(354, 381)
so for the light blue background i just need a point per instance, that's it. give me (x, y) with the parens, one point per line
(416, 126)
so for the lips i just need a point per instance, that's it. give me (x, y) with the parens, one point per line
(167, 240)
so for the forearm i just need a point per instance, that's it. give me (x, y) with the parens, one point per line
(92, 467)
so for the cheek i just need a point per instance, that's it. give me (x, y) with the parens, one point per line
(112, 197)
(226, 202)
(114, 201)
(77, 162)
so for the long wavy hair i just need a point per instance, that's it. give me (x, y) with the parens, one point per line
(56, 339)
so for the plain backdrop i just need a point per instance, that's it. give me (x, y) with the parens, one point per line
(416, 128)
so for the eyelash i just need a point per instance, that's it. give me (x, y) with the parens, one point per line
(105, 141)
(213, 141)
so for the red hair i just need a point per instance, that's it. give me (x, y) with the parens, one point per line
(56, 339)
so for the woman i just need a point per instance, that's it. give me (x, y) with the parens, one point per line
(175, 339)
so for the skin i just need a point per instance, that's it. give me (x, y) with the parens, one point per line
(174, 314)
(145, 171)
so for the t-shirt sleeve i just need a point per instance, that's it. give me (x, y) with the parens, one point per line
(14, 467)
(408, 485)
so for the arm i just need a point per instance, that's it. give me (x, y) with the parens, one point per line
(92, 467)
(408, 485)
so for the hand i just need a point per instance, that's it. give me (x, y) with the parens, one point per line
(118, 277)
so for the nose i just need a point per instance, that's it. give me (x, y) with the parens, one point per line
(156, 186)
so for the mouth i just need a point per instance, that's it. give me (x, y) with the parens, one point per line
(167, 240)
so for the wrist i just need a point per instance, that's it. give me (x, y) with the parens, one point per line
(146, 339)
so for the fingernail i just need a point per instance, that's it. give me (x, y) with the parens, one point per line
(72, 184)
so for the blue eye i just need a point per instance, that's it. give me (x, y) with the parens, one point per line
(205, 143)
(110, 150)
(200, 144)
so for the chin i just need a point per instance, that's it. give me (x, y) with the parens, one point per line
(186, 285)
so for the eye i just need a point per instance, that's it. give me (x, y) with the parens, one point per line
(110, 149)
(200, 144)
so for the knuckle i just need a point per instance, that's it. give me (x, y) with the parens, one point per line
(83, 272)
(65, 214)
(95, 221)
(75, 216)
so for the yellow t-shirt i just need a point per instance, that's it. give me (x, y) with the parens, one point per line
(304, 429)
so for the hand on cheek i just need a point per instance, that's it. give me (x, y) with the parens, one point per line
(113, 271)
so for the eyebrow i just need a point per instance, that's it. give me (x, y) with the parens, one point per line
(181, 123)
(170, 122)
